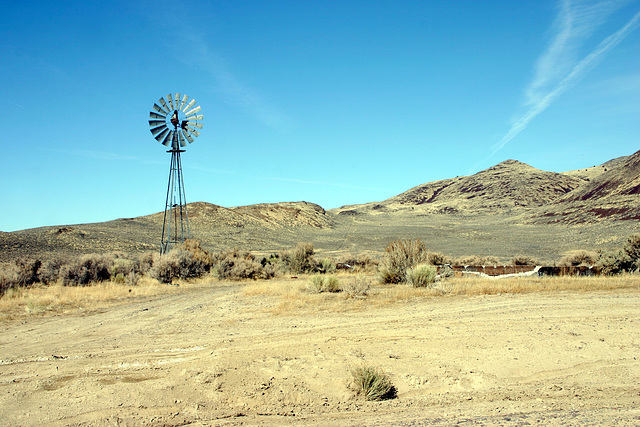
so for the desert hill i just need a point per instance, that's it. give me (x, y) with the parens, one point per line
(272, 216)
(507, 185)
(218, 227)
(614, 194)
(508, 209)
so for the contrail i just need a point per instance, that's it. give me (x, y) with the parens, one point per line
(566, 83)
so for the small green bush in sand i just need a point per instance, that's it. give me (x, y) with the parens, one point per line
(322, 283)
(372, 384)
(422, 275)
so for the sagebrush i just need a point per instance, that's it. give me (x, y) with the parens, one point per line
(372, 384)
(399, 256)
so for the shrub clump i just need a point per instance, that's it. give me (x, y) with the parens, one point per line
(86, 269)
(356, 287)
(327, 265)
(422, 275)
(235, 264)
(178, 263)
(632, 251)
(372, 384)
(323, 283)
(625, 259)
(21, 273)
(399, 256)
(523, 260)
(437, 258)
(299, 260)
(579, 258)
(360, 263)
(477, 260)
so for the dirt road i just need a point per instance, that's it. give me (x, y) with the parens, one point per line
(214, 356)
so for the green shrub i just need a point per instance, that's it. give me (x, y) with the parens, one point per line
(632, 250)
(322, 283)
(401, 255)
(121, 267)
(327, 265)
(612, 262)
(372, 384)
(299, 260)
(422, 275)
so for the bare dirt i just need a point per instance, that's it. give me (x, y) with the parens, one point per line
(213, 355)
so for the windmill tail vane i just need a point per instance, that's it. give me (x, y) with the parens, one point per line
(173, 121)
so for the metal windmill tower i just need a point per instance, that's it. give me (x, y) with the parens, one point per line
(173, 122)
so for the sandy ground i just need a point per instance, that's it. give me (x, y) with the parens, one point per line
(215, 356)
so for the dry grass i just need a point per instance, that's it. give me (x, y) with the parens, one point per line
(518, 285)
(37, 300)
(292, 297)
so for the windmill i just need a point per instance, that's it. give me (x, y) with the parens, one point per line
(173, 123)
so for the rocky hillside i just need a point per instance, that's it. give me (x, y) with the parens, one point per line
(614, 194)
(504, 187)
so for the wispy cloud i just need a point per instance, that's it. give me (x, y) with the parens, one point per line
(193, 46)
(237, 92)
(557, 68)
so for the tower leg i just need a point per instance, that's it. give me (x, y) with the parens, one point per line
(175, 227)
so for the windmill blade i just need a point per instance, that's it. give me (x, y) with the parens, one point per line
(181, 139)
(198, 125)
(164, 104)
(193, 131)
(189, 137)
(192, 111)
(159, 109)
(153, 115)
(184, 101)
(196, 117)
(170, 99)
(176, 100)
(154, 123)
(162, 135)
(168, 138)
(189, 105)
(156, 131)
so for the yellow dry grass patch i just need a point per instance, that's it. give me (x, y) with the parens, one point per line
(293, 298)
(517, 285)
(60, 299)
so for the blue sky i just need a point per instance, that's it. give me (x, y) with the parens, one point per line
(331, 102)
